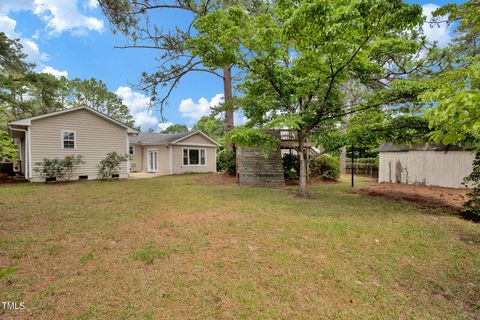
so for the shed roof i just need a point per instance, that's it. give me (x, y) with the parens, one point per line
(390, 147)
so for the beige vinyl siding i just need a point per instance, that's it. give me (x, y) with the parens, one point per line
(177, 157)
(136, 161)
(94, 138)
(196, 139)
(162, 158)
(432, 168)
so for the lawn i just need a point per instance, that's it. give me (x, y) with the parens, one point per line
(177, 248)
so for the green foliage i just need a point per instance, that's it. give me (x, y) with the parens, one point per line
(227, 162)
(6, 271)
(212, 127)
(110, 165)
(149, 255)
(291, 166)
(60, 169)
(454, 93)
(86, 257)
(471, 207)
(94, 94)
(244, 136)
(326, 167)
(8, 151)
(176, 128)
(367, 166)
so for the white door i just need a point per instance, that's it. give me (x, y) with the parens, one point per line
(152, 160)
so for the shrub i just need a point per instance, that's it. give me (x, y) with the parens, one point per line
(226, 162)
(471, 208)
(58, 169)
(110, 166)
(325, 166)
(291, 166)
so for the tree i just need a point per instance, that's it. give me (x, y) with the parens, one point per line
(212, 127)
(296, 60)
(179, 53)
(94, 94)
(454, 95)
(8, 151)
(176, 128)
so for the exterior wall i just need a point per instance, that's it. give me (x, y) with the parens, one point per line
(432, 168)
(177, 160)
(136, 161)
(162, 158)
(255, 170)
(94, 138)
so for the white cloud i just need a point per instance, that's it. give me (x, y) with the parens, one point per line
(239, 119)
(164, 125)
(30, 48)
(7, 26)
(59, 15)
(91, 4)
(439, 33)
(195, 110)
(55, 72)
(63, 15)
(139, 106)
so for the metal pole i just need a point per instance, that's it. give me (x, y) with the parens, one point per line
(353, 168)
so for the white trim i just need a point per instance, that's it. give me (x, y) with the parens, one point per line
(170, 159)
(128, 156)
(199, 157)
(29, 145)
(197, 145)
(27, 149)
(148, 160)
(197, 132)
(28, 121)
(74, 139)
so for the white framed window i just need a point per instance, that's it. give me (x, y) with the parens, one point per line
(194, 157)
(68, 139)
(131, 150)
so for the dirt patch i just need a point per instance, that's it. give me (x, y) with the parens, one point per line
(448, 197)
(218, 178)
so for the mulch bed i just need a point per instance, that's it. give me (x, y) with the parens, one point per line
(448, 197)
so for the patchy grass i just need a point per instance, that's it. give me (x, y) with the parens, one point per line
(222, 251)
(148, 255)
(86, 257)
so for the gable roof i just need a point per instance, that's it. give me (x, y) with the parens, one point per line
(28, 121)
(152, 138)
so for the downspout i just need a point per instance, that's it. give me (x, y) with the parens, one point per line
(128, 155)
(28, 154)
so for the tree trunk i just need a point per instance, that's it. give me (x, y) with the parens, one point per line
(228, 96)
(302, 186)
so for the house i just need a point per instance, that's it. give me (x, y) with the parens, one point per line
(173, 153)
(427, 164)
(75, 131)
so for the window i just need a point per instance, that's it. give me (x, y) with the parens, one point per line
(68, 140)
(194, 157)
(131, 150)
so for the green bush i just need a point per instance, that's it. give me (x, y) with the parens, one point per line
(471, 208)
(325, 166)
(226, 162)
(58, 169)
(291, 166)
(110, 166)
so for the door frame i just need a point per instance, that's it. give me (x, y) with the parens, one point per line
(148, 160)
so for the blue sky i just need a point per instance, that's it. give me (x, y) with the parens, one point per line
(73, 38)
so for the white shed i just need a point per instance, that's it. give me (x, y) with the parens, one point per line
(427, 164)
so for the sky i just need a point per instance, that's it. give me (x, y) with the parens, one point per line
(73, 38)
